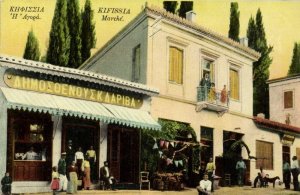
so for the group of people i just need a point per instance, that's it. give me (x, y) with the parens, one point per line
(295, 170)
(74, 170)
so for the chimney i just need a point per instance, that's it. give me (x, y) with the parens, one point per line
(244, 41)
(190, 16)
(261, 115)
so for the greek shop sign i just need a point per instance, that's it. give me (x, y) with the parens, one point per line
(68, 90)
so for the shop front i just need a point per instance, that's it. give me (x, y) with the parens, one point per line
(44, 106)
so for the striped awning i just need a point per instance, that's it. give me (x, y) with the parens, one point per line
(57, 105)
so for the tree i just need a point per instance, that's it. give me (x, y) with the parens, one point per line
(88, 34)
(234, 26)
(258, 42)
(32, 50)
(185, 6)
(295, 64)
(170, 6)
(59, 41)
(74, 23)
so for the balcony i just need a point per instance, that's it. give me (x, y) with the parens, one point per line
(212, 99)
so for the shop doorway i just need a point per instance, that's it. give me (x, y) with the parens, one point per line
(83, 133)
(123, 153)
(286, 154)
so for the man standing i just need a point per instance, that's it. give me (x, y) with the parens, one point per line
(286, 174)
(91, 155)
(69, 153)
(62, 168)
(241, 168)
(295, 172)
(210, 167)
(205, 86)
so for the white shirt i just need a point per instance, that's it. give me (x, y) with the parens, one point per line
(294, 164)
(30, 155)
(79, 155)
(107, 171)
(205, 185)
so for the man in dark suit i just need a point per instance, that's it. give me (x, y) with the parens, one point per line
(106, 176)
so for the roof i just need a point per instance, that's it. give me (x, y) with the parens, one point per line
(280, 79)
(34, 66)
(186, 24)
(276, 125)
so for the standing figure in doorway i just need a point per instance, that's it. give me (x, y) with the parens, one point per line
(295, 172)
(79, 158)
(91, 156)
(210, 168)
(69, 153)
(6, 182)
(86, 174)
(241, 168)
(286, 174)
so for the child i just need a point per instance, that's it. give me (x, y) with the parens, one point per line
(6, 184)
(55, 180)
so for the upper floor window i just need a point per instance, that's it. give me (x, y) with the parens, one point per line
(136, 63)
(288, 99)
(208, 68)
(176, 65)
(234, 84)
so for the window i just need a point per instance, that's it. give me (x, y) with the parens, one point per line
(176, 65)
(288, 99)
(136, 63)
(234, 84)
(264, 155)
(208, 67)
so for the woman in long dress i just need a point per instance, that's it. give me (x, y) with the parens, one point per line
(86, 174)
(73, 178)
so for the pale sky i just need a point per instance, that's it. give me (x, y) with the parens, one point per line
(280, 18)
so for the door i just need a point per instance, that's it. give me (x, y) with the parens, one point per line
(123, 153)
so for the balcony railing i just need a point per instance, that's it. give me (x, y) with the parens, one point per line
(212, 99)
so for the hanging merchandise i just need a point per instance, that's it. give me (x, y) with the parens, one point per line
(176, 163)
(166, 144)
(155, 146)
(160, 153)
(161, 143)
(172, 144)
(180, 162)
(169, 161)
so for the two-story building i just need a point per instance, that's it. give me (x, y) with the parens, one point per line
(160, 49)
(44, 106)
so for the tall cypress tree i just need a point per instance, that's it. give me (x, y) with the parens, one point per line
(74, 22)
(256, 35)
(185, 6)
(32, 50)
(234, 26)
(59, 41)
(88, 34)
(170, 6)
(295, 64)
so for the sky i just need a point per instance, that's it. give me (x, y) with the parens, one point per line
(280, 18)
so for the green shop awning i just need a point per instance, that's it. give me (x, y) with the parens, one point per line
(57, 105)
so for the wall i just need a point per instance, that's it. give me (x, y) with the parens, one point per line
(277, 111)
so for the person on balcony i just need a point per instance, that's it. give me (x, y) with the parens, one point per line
(205, 85)
(224, 95)
(212, 93)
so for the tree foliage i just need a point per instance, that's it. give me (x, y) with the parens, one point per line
(295, 64)
(170, 6)
(257, 41)
(234, 26)
(88, 34)
(74, 23)
(185, 6)
(32, 50)
(59, 41)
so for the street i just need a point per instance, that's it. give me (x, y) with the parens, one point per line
(246, 190)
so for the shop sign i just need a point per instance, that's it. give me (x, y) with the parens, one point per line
(287, 139)
(68, 90)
